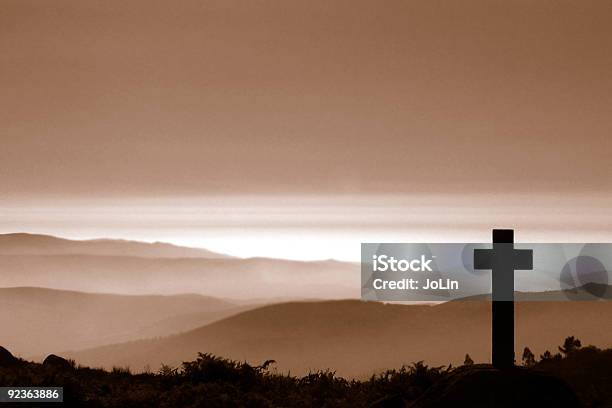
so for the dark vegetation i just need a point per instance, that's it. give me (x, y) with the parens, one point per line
(210, 381)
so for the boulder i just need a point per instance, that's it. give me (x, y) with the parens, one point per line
(58, 362)
(483, 385)
(6, 358)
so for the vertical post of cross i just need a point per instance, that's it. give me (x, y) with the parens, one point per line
(503, 260)
(502, 304)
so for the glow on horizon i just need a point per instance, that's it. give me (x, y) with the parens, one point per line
(314, 227)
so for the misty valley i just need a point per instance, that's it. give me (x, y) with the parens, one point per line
(301, 328)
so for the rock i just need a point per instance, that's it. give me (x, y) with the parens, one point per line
(485, 386)
(58, 362)
(7, 359)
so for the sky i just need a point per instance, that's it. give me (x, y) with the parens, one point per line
(317, 226)
(205, 100)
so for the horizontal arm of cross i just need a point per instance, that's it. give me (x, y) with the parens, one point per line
(483, 258)
(523, 259)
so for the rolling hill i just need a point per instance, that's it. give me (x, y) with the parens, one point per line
(38, 321)
(357, 338)
(223, 278)
(36, 244)
(132, 268)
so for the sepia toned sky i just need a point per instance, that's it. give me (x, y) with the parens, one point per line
(147, 98)
(394, 120)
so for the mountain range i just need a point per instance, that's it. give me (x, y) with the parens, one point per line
(357, 339)
(40, 321)
(37, 244)
(131, 268)
(121, 303)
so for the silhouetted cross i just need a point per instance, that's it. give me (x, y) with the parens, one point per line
(503, 260)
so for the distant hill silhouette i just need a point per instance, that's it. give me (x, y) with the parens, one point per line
(46, 320)
(136, 268)
(589, 292)
(37, 244)
(223, 278)
(357, 338)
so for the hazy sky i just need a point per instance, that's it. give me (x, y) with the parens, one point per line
(316, 227)
(143, 98)
(280, 128)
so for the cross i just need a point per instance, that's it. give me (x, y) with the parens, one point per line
(503, 260)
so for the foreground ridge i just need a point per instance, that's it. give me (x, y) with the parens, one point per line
(577, 376)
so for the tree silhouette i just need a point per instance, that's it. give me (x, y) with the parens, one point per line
(468, 360)
(546, 356)
(570, 345)
(528, 358)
